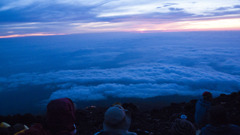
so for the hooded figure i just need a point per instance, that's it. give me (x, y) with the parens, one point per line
(201, 109)
(117, 121)
(219, 124)
(61, 115)
(60, 119)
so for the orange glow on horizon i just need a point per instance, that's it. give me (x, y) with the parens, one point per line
(146, 26)
(29, 35)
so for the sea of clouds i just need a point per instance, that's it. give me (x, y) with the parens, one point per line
(141, 81)
(122, 66)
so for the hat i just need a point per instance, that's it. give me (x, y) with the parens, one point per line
(117, 117)
(183, 116)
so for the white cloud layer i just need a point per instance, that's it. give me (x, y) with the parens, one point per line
(141, 81)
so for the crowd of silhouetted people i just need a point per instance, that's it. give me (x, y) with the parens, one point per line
(61, 119)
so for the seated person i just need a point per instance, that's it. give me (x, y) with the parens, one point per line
(117, 121)
(201, 110)
(60, 119)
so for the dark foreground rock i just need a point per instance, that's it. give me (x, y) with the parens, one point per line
(144, 122)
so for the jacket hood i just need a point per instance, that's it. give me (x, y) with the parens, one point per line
(60, 115)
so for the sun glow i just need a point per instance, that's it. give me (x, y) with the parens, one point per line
(212, 24)
(141, 30)
(202, 25)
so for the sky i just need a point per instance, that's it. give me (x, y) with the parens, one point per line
(21, 18)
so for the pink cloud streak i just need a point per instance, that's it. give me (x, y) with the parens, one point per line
(29, 35)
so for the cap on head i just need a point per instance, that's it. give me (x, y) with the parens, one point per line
(116, 117)
(183, 116)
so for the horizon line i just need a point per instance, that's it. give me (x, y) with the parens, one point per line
(136, 31)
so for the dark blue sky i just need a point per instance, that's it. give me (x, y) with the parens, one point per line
(44, 17)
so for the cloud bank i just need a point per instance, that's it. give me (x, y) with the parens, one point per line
(138, 81)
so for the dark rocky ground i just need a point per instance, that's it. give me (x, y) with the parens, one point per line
(144, 122)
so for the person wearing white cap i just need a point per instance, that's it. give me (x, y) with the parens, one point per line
(116, 122)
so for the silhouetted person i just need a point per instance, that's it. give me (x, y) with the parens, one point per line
(182, 127)
(201, 109)
(60, 119)
(116, 122)
(219, 123)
